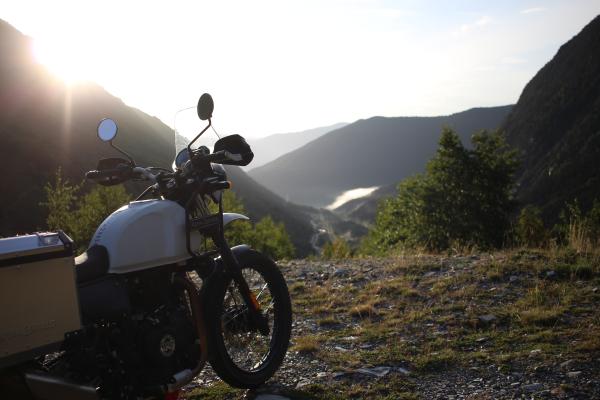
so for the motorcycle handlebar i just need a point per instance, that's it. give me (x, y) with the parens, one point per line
(116, 172)
(218, 157)
(106, 173)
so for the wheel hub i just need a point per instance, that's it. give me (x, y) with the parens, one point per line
(167, 345)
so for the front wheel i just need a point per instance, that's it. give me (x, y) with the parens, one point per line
(241, 355)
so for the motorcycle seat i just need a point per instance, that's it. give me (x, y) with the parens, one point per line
(92, 264)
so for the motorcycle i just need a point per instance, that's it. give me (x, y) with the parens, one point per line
(141, 311)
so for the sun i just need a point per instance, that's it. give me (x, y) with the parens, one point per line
(62, 60)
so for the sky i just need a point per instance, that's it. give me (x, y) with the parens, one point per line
(285, 66)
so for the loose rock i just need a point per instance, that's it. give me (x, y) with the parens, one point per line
(378, 372)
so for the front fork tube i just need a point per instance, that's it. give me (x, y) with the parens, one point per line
(232, 266)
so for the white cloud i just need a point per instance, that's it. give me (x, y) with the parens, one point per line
(481, 22)
(532, 10)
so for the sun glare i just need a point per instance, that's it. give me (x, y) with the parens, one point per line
(62, 61)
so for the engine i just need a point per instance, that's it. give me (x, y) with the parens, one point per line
(149, 338)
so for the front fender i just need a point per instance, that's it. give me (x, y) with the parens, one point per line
(230, 217)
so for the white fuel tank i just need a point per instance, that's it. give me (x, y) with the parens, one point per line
(145, 234)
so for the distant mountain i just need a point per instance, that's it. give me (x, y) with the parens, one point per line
(271, 147)
(45, 124)
(556, 125)
(374, 152)
(308, 227)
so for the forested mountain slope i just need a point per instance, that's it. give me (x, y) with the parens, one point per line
(556, 125)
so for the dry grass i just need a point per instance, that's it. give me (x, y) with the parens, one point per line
(306, 344)
(423, 312)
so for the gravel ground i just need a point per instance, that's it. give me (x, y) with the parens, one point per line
(536, 373)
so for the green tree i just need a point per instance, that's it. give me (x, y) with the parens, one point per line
(272, 239)
(531, 231)
(238, 232)
(80, 215)
(398, 221)
(266, 236)
(60, 197)
(94, 207)
(464, 198)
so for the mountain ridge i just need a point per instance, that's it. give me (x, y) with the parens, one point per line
(369, 152)
(271, 147)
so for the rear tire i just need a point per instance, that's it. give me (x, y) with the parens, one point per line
(227, 325)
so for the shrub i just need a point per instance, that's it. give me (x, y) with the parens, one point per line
(338, 249)
(531, 231)
(578, 230)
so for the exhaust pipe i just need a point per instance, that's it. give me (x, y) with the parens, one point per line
(47, 387)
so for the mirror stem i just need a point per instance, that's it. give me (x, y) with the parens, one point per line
(122, 152)
(189, 146)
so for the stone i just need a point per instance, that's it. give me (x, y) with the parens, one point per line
(513, 278)
(339, 375)
(487, 318)
(533, 387)
(567, 365)
(321, 375)
(340, 272)
(378, 372)
(271, 397)
(535, 352)
(302, 383)
(429, 274)
(573, 374)
(402, 371)
(550, 274)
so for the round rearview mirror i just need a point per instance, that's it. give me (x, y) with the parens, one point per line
(107, 130)
(205, 107)
(181, 158)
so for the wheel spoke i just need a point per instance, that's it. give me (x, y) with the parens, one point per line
(247, 347)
